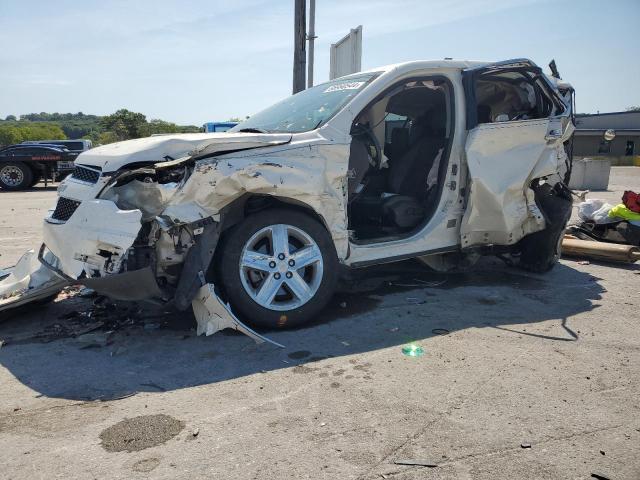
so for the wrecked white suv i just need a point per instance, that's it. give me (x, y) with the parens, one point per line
(442, 160)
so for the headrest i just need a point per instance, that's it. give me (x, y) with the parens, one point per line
(432, 123)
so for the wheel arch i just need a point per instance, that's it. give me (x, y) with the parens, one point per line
(250, 203)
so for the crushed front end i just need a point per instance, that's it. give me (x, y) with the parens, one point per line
(115, 233)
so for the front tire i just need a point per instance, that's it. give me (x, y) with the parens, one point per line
(15, 176)
(278, 268)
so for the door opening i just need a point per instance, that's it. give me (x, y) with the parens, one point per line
(398, 159)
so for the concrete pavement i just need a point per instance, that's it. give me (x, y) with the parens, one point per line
(551, 361)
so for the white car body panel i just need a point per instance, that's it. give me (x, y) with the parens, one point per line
(503, 158)
(28, 281)
(212, 315)
(96, 226)
(114, 156)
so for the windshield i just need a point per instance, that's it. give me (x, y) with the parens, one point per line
(309, 109)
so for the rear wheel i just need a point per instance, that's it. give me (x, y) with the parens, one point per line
(541, 251)
(278, 268)
(15, 176)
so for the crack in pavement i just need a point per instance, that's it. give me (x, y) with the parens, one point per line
(491, 453)
(422, 430)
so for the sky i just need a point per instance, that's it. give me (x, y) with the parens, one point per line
(193, 61)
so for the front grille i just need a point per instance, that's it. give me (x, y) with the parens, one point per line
(86, 174)
(64, 209)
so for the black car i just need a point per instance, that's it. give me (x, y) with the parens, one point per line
(25, 164)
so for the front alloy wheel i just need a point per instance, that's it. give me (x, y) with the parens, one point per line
(281, 267)
(277, 268)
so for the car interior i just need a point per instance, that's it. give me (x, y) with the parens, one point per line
(399, 150)
(510, 96)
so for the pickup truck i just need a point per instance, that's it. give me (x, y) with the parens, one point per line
(24, 164)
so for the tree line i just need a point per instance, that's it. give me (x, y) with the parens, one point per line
(121, 125)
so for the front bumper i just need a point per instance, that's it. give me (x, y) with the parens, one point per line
(94, 241)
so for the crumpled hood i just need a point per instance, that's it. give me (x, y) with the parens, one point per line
(154, 149)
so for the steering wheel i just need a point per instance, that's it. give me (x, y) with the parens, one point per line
(363, 130)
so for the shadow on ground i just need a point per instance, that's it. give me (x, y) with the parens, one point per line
(40, 187)
(383, 306)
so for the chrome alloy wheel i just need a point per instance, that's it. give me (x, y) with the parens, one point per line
(281, 267)
(11, 176)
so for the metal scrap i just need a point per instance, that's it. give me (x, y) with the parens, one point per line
(416, 463)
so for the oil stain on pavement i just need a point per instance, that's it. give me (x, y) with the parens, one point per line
(138, 433)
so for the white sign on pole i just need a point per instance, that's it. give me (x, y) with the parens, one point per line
(346, 54)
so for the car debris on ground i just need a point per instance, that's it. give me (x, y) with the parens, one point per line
(417, 463)
(606, 232)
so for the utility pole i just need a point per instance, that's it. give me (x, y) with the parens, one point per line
(299, 46)
(311, 37)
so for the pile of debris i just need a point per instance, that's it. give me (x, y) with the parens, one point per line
(94, 319)
(606, 232)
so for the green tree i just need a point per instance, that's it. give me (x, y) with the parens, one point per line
(158, 126)
(20, 132)
(124, 124)
(107, 137)
(190, 129)
(634, 108)
(11, 118)
(93, 135)
(9, 135)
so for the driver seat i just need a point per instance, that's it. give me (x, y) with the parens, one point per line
(404, 205)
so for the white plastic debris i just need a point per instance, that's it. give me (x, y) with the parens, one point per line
(212, 316)
(595, 210)
(29, 281)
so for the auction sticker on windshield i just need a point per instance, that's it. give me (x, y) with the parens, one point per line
(344, 86)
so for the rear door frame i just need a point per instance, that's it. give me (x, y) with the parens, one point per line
(490, 208)
(470, 75)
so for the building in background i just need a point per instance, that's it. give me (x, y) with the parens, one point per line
(623, 149)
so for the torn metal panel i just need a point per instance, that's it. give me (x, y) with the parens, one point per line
(212, 316)
(502, 159)
(114, 156)
(196, 265)
(241, 141)
(186, 213)
(29, 281)
(134, 285)
(150, 198)
(313, 175)
(4, 273)
(94, 240)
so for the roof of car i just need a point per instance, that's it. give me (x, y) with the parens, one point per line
(429, 64)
